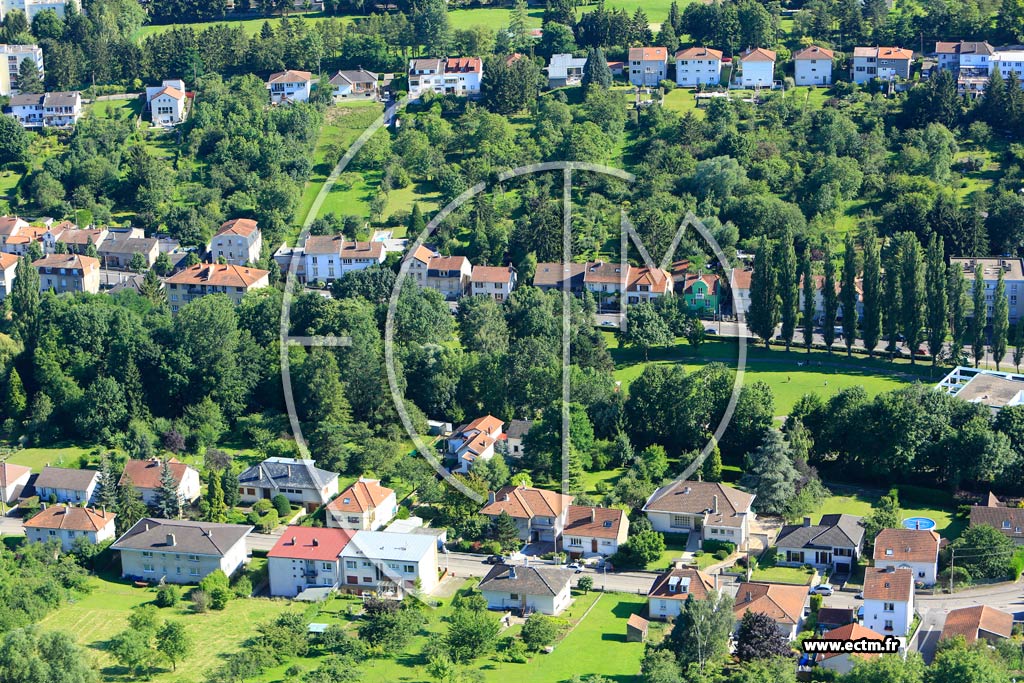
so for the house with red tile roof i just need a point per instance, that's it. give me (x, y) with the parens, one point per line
(8, 267)
(462, 76)
(594, 531)
(329, 257)
(913, 549)
(540, 514)
(698, 66)
(888, 600)
(757, 68)
(648, 66)
(450, 275)
(813, 66)
(290, 86)
(239, 242)
(671, 588)
(473, 441)
(366, 505)
(978, 622)
(213, 278)
(644, 285)
(68, 273)
(713, 510)
(307, 557)
(496, 282)
(784, 603)
(68, 524)
(144, 477)
(883, 63)
(13, 480)
(843, 662)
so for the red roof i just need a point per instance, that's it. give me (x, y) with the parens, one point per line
(72, 518)
(238, 226)
(361, 496)
(648, 54)
(459, 65)
(145, 474)
(311, 543)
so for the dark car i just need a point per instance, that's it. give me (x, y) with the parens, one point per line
(494, 559)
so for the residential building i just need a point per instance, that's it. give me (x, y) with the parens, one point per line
(46, 110)
(527, 589)
(239, 242)
(978, 622)
(550, 276)
(290, 86)
(472, 442)
(996, 390)
(300, 481)
(913, 549)
(696, 66)
(13, 480)
(843, 662)
(366, 505)
(564, 70)
(68, 273)
(419, 264)
(14, 55)
(425, 75)
(739, 283)
(1008, 62)
(514, 435)
(306, 557)
(167, 102)
(118, 250)
(970, 62)
(196, 281)
(180, 551)
(833, 545)
(496, 282)
(813, 66)
(701, 292)
(33, 7)
(1013, 280)
(329, 257)
(594, 531)
(713, 510)
(784, 603)
(20, 243)
(757, 68)
(450, 275)
(648, 66)
(671, 589)
(60, 485)
(883, 63)
(355, 84)
(539, 514)
(77, 240)
(606, 281)
(888, 600)
(462, 76)
(144, 477)
(8, 268)
(834, 617)
(68, 524)
(9, 227)
(996, 514)
(644, 285)
(390, 563)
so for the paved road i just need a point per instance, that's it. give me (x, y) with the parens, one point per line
(465, 564)
(256, 541)
(11, 526)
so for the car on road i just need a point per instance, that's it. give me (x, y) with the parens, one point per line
(822, 589)
(711, 330)
(575, 566)
(494, 559)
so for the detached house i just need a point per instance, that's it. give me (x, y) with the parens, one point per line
(68, 524)
(355, 84)
(514, 435)
(834, 544)
(118, 250)
(68, 273)
(757, 68)
(970, 61)
(648, 66)
(644, 285)
(213, 278)
(290, 86)
(782, 602)
(166, 102)
(700, 292)
(593, 531)
(13, 480)
(306, 557)
(425, 75)
(329, 257)
(48, 110)
(979, 622)
(913, 549)
(462, 76)
(474, 441)
(450, 275)
(883, 63)
(364, 506)
(540, 515)
(527, 589)
(239, 242)
(995, 513)
(179, 551)
(697, 66)
(496, 282)
(144, 477)
(59, 485)
(888, 600)
(671, 589)
(564, 69)
(713, 510)
(8, 267)
(300, 481)
(391, 563)
(813, 66)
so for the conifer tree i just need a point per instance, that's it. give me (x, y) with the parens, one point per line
(15, 400)
(979, 315)
(830, 300)
(596, 70)
(216, 510)
(956, 286)
(107, 494)
(936, 298)
(763, 316)
(809, 297)
(1000, 321)
(872, 285)
(167, 504)
(848, 294)
(911, 290)
(1018, 343)
(789, 294)
(24, 302)
(891, 310)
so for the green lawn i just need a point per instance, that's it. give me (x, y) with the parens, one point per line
(675, 544)
(57, 456)
(946, 522)
(793, 575)
(110, 109)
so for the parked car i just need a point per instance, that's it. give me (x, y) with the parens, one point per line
(822, 589)
(711, 330)
(575, 566)
(494, 559)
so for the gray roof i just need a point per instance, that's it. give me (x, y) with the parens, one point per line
(26, 99)
(121, 243)
(357, 76)
(834, 531)
(517, 429)
(196, 538)
(61, 478)
(61, 99)
(388, 545)
(560, 63)
(288, 473)
(526, 579)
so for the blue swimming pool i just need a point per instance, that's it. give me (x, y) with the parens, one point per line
(922, 523)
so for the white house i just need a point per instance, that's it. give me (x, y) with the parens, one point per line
(290, 86)
(757, 68)
(144, 477)
(833, 544)
(1008, 62)
(365, 505)
(329, 257)
(473, 441)
(564, 69)
(883, 63)
(784, 603)
(48, 110)
(514, 435)
(60, 485)
(539, 514)
(354, 84)
(496, 282)
(888, 600)
(739, 283)
(14, 55)
(527, 588)
(449, 275)
(166, 102)
(713, 510)
(671, 589)
(13, 480)
(306, 557)
(843, 662)
(180, 551)
(30, 8)
(698, 66)
(969, 61)
(390, 563)
(68, 524)
(594, 531)
(462, 76)
(239, 242)
(8, 267)
(913, 549)
(648, 66)
(813, 66)
(300, 481)
(425, 75)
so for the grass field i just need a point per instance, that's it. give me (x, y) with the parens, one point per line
(946, 522)
(58, 456)
(110, 109)
(793, 575)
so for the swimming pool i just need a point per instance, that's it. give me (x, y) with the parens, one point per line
(922, 523)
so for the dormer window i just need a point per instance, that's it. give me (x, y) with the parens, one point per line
(1006, 524)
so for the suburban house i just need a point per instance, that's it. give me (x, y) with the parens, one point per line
(329, 257)
(167, 102)
(355, 84)
(540, 515)
(648, 66)
(76, 239)
(239, 242)
(306, 557)
(290, 86)
(118, 250)
(564, 69)
(13, 480)
(834, 544)
(213, 278)
(784, 603)
(390, 563)
(711, 509)
(14, 55)
(843, 662)
(883, 63)
(69, 524)
(996, 514)
(30, 8)
(1013, 279)
(60, 485)
(813, 66)
(517, 430)
(8, 268)
(496, 282)
(913, 549)
(180, 551)
(696, 66)
(700, 292)
(20, 243)
(419, 264)
(473, 441)
(606, 281)
(834, 617)
(548, 276)
(888, 600)
(969, 61)
(1007, 63)
(144, 476)
(671, 589)
(594, 531)
(462, 76)
(364, 506)
(978, 622)
(68, 273)
(300, 481)
(47, 110)
(757, 68)
(10, 226)
(450, 275)
(644, 285)
(527, 589)
(425, 75)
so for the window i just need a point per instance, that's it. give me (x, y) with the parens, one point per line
(350, 564)
(193, 571)
(147, 553)
(513, 596)
(367, 579)
(147, 567)
(326, 567)
(193, 558)
(680, 521)
(52, 532)
(409, 568)
(888, 607)
(888, 625)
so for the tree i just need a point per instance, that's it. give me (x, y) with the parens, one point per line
(891, 302)
(935, 290)
(872, 285)
(173, 642)
(539, 631)
(130, 508)
(29, 80)
(1018, 343)
(106, 488)
(471, 634)
(772, 475)
(956, 286)
(700, 636)
(641, 549)
(885, 514)
(758, 637)
(984, 551)
(849, 295)
(596, 71)
(979, 315)
(830, 300)
(810, 290)
(887, 670)
(37, 656)
(506, 533)
(216, 509)
(15, 400)
(788, 283)
(585, 584)
(957, 663)
(13, 141)
(229, 484)
(24, 302)
(763, 316)
(911, 290)
(133, 649)
(167, 503)
(1000, 321)
(431, 27)
(646, 329)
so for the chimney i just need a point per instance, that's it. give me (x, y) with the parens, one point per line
(593, 514)
(714, 504)
(171, 541)
(512, 572)
(749, 596)
(807, 521)
(294, 540)
(316, 543)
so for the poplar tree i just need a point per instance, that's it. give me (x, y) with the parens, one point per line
(1000, 321)
(848, 294)
(956, 287)
(763, 315)
(808, 297)
(911, 290)
(24, 301)
(891, 299)
(872, 285)
(935, 287)
(979, 314)
(830, 300)
(789, 294)
(1018, 343)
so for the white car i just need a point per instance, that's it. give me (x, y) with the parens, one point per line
(822, 589)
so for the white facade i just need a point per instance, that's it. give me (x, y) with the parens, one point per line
(883, 63)
(1008, 62)
(54, 529)
(33, 7)
(462, 76)
(698, 66)
(885, 612)
(757, 69)
(364, 506)
(14, 55)
(385, 561)
(648, 66)
(8, 266)
(813, 66)
(329, 257)
(166, 102)
(924, 572)
(425, 75)
(290, 86)
(50, 110)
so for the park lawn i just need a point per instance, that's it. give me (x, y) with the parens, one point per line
(793, 575)
(682, 100)
(947, 523)
(55, 456)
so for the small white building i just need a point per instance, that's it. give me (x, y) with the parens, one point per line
(426, 75)
(144, 477)
(462, 76)
(68, 524)
(496, 282)
(239, 242)
(306, 557)
(180, 551)
(913, 549)
(8, 267)
(14, 55)
(391, 563)
(757, 68)
(545, 589)
(358, 84)
(473, 441)
(648, 66)
(61, 485)
(13, 478)
(1008, 62)
(698, 66)
(166, 103)
(813, 66)
(290, 86)
(364, 506)
(329, 257)
(888, 600)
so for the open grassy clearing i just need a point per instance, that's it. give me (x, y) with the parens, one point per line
(114, 109)
(56, 456)
(947, 523)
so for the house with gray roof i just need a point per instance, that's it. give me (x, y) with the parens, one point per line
(354, 84)
(180, 551)
(390, 563)
(564, 69)
(834, 544)
(61, 485)
(119, 248)
(526, 589)
(300, 481)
